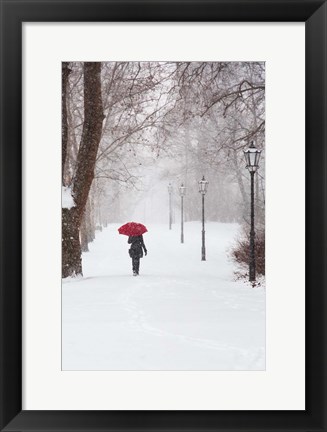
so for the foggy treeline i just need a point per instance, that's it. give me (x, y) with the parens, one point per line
(131, 128)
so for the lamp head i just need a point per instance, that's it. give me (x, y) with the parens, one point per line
(252, 157)
(182, 190)
(203, 186)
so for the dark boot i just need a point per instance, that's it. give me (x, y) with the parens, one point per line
(135, 267)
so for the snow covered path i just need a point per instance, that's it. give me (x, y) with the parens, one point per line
(181, 313)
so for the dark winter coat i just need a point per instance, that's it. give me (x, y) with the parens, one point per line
(137, 246)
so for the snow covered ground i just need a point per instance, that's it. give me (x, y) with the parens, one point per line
(181, 313)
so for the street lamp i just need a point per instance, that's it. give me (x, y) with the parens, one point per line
(252, 157)
(170, 189)
(203, 186)
(182, 190)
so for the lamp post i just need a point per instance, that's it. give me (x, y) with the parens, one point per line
(182, 190)
(203, 186)
(252, 157)
(170, 189)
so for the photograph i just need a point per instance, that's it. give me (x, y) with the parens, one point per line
(163, 189)
(163, 216)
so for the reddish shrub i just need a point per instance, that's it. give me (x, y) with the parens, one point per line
(241, 251)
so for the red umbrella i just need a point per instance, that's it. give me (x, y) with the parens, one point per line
(132, 229)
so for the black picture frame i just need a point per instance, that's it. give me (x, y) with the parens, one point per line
(13, 14)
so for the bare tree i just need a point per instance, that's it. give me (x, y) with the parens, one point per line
(84, 174)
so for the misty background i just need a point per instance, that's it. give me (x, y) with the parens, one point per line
(169, 122)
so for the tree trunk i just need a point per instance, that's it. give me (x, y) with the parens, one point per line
(71, 248)
(91, 135)
(86, 158)
(87, 230)
(84, 233)
(90, 218)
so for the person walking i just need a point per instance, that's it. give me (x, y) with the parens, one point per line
(136, 252)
